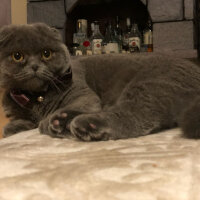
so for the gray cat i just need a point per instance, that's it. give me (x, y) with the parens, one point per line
(93, 98)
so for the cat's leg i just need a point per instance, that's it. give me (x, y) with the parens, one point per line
(16, 126)
(57, 123)
(138, 112)
(113, 125)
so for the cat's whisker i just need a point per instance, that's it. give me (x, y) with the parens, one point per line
(53, 83)
(20, 73)
(7, 73)
(49, 77)
(59, 81)
(21, 76)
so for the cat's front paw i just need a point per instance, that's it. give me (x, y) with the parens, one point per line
(57, 125)
(90, 127)
(17, 126)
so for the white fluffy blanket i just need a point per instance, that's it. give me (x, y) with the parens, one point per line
(162, 166)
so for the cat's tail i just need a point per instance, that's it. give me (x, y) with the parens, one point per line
(190, 120)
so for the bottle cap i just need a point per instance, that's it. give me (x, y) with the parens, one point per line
(92, 26)
(128, 21)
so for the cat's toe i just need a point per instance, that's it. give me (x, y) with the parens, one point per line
(17, 126)
(8, 131)
(57, 125)
(89, 128)
(52, 126)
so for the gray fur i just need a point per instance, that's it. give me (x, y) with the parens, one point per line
(109, 96)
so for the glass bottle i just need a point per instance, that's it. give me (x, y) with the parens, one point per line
(77, 51)
(87, 44)
(118, 33)
(134, 39)
(148, 37)
(96, 40)
(80, 35)
(87, 47)
(110, 44)
(125, 40)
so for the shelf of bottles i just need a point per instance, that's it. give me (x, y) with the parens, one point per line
(115, 39)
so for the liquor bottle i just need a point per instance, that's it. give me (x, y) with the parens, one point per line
(92, 29)
(96, 39)
(77, 51)
(110, 44)
(148, 37)
(80, 35)
(125, 40)
(134, 39)
(87, 48)
(88, 42)
(118, 33)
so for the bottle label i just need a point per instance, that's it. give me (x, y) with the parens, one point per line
(125, 40)
(78, 53)
(79, 38)
(148, 37)
(134, 42)
(96, 46)
(88, 52)
(111, 48)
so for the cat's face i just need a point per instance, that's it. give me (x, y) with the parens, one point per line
(31, 57)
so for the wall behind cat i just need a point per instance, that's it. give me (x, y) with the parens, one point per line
(5, 12)
(13, 12)
(19, 11)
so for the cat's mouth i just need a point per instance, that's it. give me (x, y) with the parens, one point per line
(35, 79)
(33, 83)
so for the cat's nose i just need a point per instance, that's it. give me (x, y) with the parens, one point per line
(35, 67)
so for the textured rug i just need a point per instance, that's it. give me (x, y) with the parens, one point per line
(162, 166)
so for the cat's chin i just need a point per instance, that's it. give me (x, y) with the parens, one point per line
(35, 85)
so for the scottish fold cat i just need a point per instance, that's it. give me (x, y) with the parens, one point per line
(93, 98)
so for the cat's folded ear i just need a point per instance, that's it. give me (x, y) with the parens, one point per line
(6, 33)
(55, 32)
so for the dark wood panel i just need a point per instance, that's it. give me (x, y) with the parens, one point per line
(5, 12)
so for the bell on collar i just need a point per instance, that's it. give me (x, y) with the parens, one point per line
(40, 99)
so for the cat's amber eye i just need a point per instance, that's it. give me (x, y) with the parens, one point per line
(17, 57)
(46, 54)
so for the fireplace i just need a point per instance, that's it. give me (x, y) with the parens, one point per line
(104, 11)
(175, 23)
